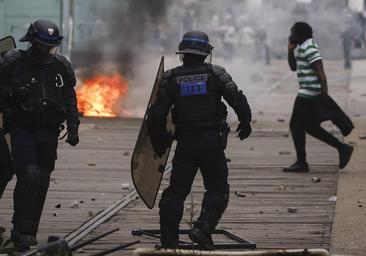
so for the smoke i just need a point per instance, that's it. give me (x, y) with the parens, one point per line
(247, 35)
(117, 32)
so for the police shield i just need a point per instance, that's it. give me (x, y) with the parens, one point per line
(7, 44)
(146, 167)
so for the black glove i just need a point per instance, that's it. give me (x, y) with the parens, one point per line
(20, 93)
(244, 130)
(161, 143)
(72, 136)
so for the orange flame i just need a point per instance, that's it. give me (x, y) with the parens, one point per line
(99, 95)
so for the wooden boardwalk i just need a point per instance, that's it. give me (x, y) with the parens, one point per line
(260, 214)
(91, 175)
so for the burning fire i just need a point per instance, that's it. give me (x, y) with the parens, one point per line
(99, 95)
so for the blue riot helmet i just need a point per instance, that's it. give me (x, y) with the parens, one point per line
(195, 42)
(44, 37)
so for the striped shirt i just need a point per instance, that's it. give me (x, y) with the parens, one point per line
(307, 53)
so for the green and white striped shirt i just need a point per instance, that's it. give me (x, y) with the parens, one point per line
(307, 53)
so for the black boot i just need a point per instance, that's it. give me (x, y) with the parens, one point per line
(298, 166)
(22, 242)
(201, 235)
(169, 239)
(345, 153)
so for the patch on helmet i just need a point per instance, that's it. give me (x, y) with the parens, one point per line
(193, 85)
(50, 31)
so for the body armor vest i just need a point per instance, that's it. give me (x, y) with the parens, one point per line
(46, 105)
(196, 97)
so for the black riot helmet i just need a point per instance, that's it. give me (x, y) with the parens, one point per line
(195, 42)
(44, 37)
(43, 32)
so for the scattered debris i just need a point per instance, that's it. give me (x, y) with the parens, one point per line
(55, 214)
(2, 230)
(362, 137)
(352, 143)
(316, 179)
(332, 199)
(81, 201)
(285, 135)
(284, 153)
(91, 164)
(228, 160)
(292, 209)
(74, 204)
(280, 120)
(126, 153)
(100, 139)
(239, 194)
(363, 95)
(125, 186)
(251, 148)
(360, 205)
(356, 115)
(58, 206)
(282, 188)
(93, 199)
(260, 112)
(90, 214)
(261, 212)
(254, 121)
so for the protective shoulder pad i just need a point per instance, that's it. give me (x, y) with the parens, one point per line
(9, 58)
(69, 72)
(167, 74)
(220, 73)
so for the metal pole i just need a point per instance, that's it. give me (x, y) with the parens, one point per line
(91, 240)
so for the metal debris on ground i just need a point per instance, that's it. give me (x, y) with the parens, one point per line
(284, 153)
(316, 179)
(280, 120)
(282, 188)
(362, 137)
(90, 214)
(126, 153)
(239, 194)
(332, 199)
(55, 214)
(91, 164)
(58, 206)
(74, 204)
(125, 186)
(292, 209)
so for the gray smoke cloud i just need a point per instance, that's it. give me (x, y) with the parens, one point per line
(118, 32)
(133, 34)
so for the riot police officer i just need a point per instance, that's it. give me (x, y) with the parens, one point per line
(39, 91)
(194, 90)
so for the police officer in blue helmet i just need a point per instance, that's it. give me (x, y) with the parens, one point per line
(38, 90)
(195, 90)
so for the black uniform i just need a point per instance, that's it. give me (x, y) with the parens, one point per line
(195, 90)
(40, 96)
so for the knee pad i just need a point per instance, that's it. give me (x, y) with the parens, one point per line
(216, 199)
(171, 207)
